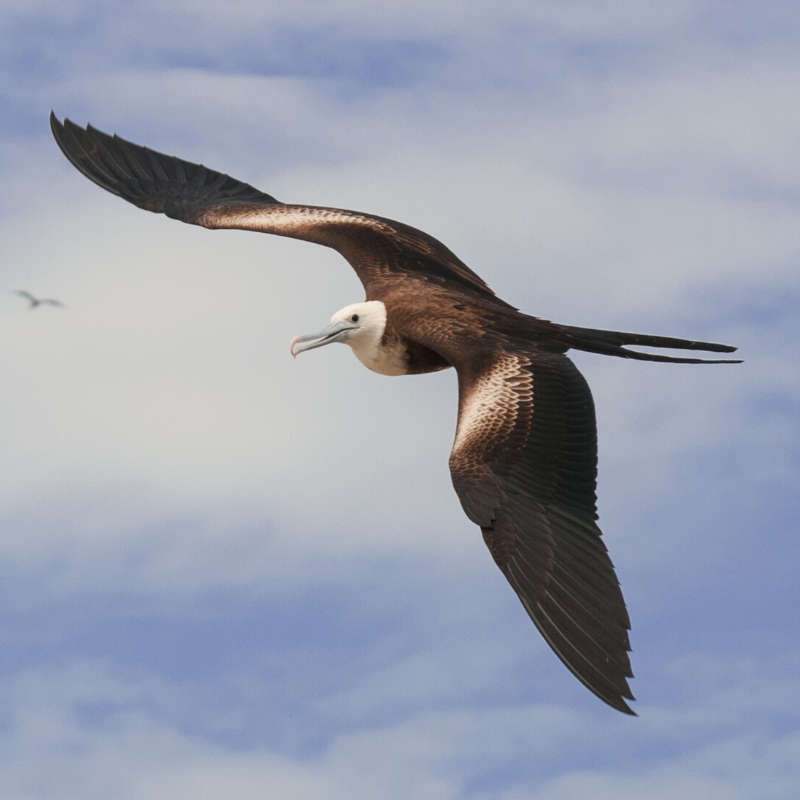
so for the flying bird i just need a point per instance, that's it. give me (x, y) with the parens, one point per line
(35, 302)
(524, 460)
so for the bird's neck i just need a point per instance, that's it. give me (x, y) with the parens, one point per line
(381, 350)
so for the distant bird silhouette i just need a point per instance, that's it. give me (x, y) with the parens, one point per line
(35, 301)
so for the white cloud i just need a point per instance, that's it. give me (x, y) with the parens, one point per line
(84, 719)
(202, 26)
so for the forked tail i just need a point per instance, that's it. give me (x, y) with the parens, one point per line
(611, 343)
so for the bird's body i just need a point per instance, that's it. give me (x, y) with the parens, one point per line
(524, 459)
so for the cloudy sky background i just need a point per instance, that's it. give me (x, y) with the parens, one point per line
(225, 573)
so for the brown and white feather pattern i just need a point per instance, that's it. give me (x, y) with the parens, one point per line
(286, 220)
(491, 407)
(377, 248)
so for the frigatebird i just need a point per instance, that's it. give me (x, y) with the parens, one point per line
(524, 460)
(35, 302)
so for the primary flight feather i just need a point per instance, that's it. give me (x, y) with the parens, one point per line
(524, 460)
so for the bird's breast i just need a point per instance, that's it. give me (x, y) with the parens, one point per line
(395, 355)
(386, 358)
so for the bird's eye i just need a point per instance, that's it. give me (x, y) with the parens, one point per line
(354, 318)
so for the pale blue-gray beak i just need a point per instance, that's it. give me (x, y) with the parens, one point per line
(335, 332)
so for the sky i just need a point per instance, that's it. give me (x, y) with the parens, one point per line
(228, 573)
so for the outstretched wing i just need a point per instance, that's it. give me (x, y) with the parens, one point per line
(376, 248)
(524, 465)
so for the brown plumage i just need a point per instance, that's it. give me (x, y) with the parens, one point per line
(524, 461)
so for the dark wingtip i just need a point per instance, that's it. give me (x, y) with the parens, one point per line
(60, 130)
(616, 699)
(624, 708)
(59, 127)
(55, 126)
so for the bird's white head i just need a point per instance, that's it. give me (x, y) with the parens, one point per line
(361, 326)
